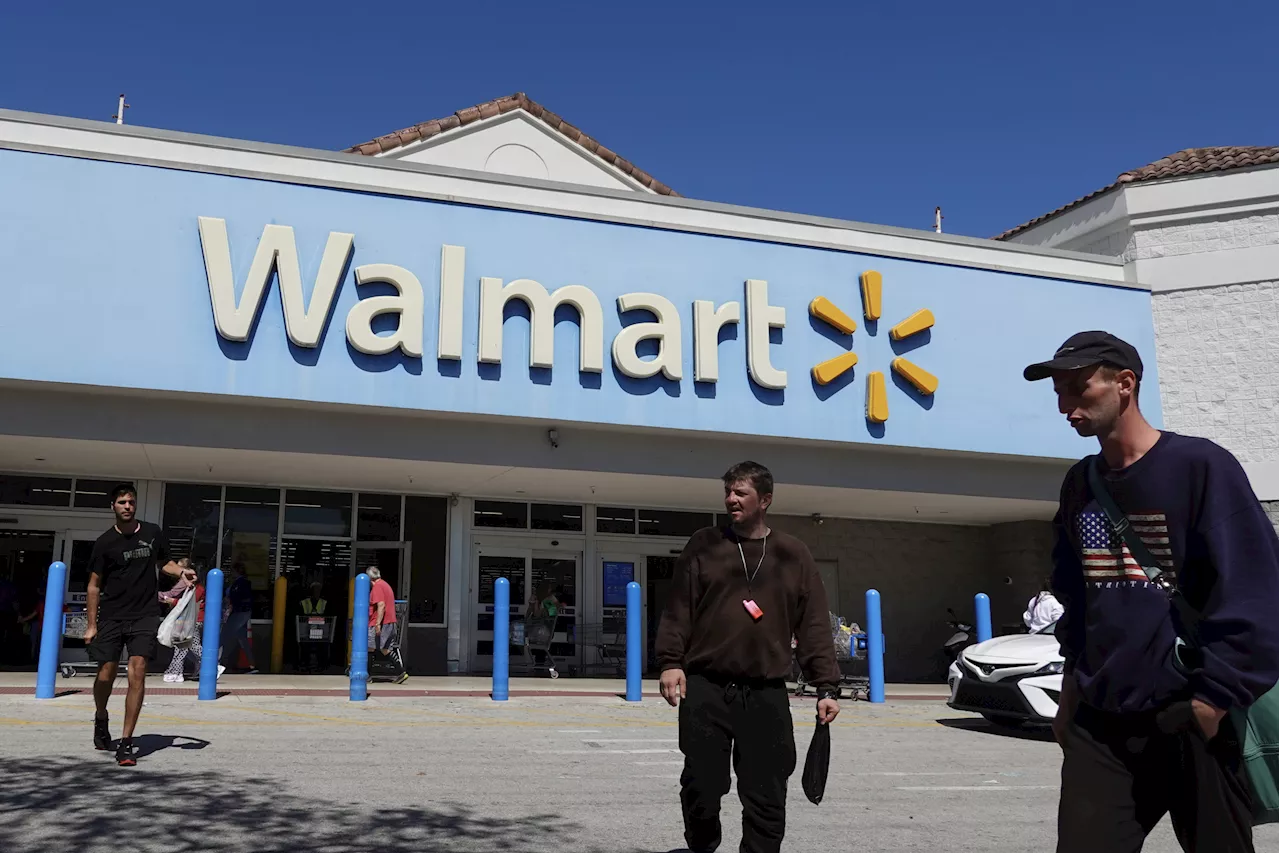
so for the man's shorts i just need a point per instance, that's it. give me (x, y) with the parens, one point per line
(386, 639)
(114, 634)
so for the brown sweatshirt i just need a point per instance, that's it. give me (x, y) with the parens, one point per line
(706, 629)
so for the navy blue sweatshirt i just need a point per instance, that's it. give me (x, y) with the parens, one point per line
(1192, 505)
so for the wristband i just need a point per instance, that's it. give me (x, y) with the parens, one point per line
(828, 694)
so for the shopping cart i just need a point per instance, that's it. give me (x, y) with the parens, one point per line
(608, 640)
(315, 637)
(75, 661)
(534, 635)
(851, 657)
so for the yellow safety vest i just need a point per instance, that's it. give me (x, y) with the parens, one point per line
(316, 608)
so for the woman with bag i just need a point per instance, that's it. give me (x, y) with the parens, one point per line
(174, 674)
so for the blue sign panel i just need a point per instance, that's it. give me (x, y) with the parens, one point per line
(616, 578)
(232, 286)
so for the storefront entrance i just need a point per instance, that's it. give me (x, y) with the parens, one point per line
(540, 579)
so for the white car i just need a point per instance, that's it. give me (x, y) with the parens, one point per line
(1009, 680)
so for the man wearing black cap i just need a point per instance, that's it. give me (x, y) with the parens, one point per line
(1148, 681)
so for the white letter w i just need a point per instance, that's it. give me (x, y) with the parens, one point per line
(276, 250)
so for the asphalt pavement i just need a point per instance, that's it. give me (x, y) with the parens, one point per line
(550, 773)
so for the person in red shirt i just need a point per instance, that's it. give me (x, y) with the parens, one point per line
(382, 624)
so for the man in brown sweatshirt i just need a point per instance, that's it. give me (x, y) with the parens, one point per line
(739, 595)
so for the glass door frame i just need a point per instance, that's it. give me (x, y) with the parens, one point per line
(64, 542)
(528, 549)
(479, 662)
(610, 613)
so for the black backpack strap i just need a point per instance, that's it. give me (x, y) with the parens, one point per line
(1149, 564)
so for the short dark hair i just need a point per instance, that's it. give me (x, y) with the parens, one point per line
(123, 489)
(759, 476)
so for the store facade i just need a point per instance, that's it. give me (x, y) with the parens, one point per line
(310, 363)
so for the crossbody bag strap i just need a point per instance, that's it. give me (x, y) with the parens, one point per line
(1150, 566)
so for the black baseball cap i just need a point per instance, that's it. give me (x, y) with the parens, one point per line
(1085, 349)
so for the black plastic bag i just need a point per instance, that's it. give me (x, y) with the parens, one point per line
(816, 764)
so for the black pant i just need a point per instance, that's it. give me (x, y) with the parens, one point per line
(1121, 774)
(751, 722)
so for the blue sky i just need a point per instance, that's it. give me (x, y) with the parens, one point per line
(996, 111)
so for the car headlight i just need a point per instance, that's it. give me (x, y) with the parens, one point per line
(1054, 668)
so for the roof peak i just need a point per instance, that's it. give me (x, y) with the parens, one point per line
(498, 106)
(1180, 164)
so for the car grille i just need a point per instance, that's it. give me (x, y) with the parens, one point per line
(995, 698)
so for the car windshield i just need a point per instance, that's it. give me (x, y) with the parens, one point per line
(1048, 629)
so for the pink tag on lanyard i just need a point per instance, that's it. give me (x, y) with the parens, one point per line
(754, 609)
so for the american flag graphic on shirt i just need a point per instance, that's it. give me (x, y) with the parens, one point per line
(1106, 558)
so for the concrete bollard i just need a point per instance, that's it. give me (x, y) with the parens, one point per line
(501, 639)
(635, 645)
(51, 631)
(360, 640)
(212, 638)
(982, 611)
(875, 647)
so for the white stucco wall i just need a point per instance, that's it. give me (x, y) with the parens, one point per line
(1207, 247)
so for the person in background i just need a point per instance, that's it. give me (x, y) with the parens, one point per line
(174, 674)
(35, 620)
(235, 634)
(382, 623)
(544, 604)
(1043, 609)
(1142, 718)
(316, 605)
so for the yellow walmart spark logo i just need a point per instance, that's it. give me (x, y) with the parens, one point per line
(828, 371)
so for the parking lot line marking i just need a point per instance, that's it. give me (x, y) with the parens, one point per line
(629, 740)
(926, 788)
(579, 731)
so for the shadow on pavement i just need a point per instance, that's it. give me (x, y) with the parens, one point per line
(55, 803)
(151, 744)
(968, 724)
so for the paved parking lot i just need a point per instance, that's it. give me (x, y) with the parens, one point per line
(566, 773)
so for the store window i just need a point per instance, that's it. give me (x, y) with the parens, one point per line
(314, 513)
(665, 522)
(556, 517)
(426, 529)
(378, 519)
(249, 526)
(22, 490)
(612, 519)
(502, 514)
(96, 494)
(191, 514)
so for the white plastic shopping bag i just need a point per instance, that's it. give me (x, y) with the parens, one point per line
(179, 627)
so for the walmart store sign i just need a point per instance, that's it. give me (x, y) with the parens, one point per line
(305, 320)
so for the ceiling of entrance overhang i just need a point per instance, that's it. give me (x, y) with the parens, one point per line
(186, 464)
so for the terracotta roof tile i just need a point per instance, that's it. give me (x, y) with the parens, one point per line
(499, 106)
(1189, 161)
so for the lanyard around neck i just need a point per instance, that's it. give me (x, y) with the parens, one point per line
(763, 550)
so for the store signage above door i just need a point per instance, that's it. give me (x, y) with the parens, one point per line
(662, 337)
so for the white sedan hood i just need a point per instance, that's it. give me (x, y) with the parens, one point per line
(1016, 649)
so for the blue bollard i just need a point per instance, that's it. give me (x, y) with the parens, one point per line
(51, 631)
(212, 638)
(360, 640)
(875, 647)
(982, 607)
(635, 646)
(501, 639)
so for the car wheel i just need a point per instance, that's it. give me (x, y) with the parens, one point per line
(1005, 722)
